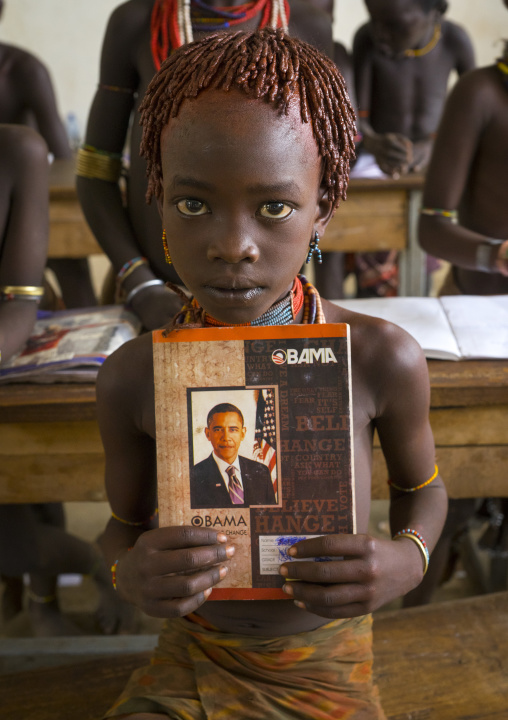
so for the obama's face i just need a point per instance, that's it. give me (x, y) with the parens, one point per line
(226, 432)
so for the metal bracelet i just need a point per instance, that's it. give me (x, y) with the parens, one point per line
(484, 254)
(142, 286)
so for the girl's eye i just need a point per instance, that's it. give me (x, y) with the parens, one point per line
(278, 210)
(192, 207)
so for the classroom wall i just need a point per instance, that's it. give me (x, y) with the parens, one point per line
(67, 37)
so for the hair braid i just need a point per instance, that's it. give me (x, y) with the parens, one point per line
(264, 64)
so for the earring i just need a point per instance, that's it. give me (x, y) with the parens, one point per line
(166, 249)
(313, 248)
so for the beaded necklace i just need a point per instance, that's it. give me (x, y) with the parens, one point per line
(427, 48)
(174, 22)
(282, 312)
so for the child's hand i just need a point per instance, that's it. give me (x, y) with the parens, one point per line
(367, 573)
(171, 571)
(393, 153)
(422, 150)
(156, 306)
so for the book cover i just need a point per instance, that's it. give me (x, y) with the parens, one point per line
(286, 393)
(70, 345)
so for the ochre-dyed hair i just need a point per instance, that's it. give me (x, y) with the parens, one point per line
(266, 64)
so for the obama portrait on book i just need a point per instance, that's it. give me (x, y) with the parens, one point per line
(225, 478)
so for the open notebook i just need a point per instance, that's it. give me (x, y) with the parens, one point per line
(453, 327)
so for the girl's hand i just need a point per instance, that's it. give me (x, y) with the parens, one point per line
(171, 571)
(360, 574)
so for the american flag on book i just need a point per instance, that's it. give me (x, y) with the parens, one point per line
(265, 437)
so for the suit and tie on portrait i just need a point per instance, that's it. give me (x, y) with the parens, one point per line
(225, 478)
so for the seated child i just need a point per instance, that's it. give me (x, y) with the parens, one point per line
(248, 138)
(27, 97)
(32, 537)
(466, 180)
(402, 60)
(140, 34)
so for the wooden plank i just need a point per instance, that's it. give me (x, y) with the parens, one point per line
(445, 661)
(367, 222)
(69, 234)
(482, 425)
(468, 472)
(470, 382)
(52, 477)
(46, 403)
(56, 437)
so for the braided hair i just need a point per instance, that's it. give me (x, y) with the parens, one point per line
(266, 64)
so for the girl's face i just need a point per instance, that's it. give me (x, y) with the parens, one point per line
(399, 25)
(242, 200)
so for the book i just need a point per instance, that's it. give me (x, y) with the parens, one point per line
(70, 345)
(292, 386)
(451, 327)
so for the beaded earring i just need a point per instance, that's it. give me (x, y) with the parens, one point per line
(166, 249)
(313, 248)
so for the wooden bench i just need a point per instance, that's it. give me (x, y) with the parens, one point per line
(446, 661)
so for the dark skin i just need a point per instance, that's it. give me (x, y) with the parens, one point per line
(23, 228)
(27, 97)
(468, 173)
(125, 232)
(247, 230)
(404, 96)
(23, 249)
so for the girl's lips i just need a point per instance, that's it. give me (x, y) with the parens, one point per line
(244, 295)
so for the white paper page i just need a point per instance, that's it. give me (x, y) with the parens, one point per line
(480, 324)
(423, 318)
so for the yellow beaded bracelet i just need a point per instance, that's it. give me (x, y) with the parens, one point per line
(418, 487)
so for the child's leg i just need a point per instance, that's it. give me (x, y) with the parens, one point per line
(33, 540)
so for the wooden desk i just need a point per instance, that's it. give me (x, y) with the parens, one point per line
(69, 234)
(445, 661)
(50, 448)
(382, 214)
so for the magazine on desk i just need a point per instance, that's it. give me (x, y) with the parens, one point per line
(293, 446)
(70, 345)
(452, 327)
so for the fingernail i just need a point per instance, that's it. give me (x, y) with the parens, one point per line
(221, 537)
(207, 592)
(223, 571)
(292, 551)
(299, 604)
(230, 550)
(283, 570)
(287, 589)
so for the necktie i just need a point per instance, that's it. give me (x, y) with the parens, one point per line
(235, 489)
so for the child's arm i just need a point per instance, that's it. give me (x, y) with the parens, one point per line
(369, 572)
(108, 124)
(452, 162)
(34, 82)
(166, 572)
(393, 151)
(24, 177)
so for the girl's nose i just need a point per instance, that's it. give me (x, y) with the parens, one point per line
(233, 246)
